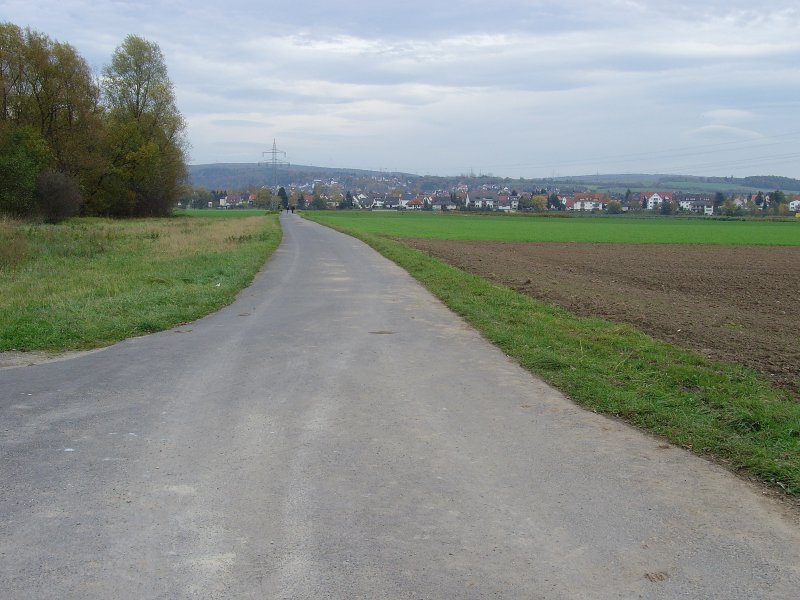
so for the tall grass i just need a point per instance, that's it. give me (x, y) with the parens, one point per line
(217, 213)
(13, 245)
(89, 282)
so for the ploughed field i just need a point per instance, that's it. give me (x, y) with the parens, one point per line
(732, 303)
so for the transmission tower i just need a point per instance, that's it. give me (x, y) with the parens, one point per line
(274, 162)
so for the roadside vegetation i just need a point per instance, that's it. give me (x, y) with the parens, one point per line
(109, 144)
(237, 213)
(73, 143)
(520, 228)
(721, 410)
(90, 282)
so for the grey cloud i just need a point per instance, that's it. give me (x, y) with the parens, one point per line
(454, 83)
(235, 123)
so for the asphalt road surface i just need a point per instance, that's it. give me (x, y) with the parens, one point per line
(338, 433)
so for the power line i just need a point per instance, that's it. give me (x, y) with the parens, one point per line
(274, 161)
(741, 162)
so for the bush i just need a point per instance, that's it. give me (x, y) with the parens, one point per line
(57, 196)
(23, 155)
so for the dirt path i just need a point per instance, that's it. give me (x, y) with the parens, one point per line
(738, 304)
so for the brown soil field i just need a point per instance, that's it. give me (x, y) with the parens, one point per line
(731, 303)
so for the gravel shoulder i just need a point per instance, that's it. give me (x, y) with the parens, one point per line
(14, 359)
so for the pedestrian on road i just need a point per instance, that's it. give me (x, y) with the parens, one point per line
(292, 208)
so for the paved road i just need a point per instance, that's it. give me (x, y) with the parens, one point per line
(336, 433)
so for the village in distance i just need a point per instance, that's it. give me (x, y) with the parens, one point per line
(231, 186)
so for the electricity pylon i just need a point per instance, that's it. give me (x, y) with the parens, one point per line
(274, 162)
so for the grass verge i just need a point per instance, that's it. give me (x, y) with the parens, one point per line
(721, 410)
(87, 283)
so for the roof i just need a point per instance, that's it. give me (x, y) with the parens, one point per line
(662, 195)
(596, 196)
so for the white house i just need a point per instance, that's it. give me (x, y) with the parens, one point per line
(508, 203)
(652, 200)
(697, 206)
(481, 202)
(443, 203)
(794, 206)
(587, 205)
(362, 201)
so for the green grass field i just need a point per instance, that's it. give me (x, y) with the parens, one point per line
(722, 410)
(87, 283)
(621, 230)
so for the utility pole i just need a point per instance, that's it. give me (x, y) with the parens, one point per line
(274, 162)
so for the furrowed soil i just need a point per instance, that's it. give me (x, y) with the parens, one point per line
(731, 303)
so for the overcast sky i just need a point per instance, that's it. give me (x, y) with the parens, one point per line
(509, 87)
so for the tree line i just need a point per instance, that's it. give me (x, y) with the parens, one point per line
(71, 143)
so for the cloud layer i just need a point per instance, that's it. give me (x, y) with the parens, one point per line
(513, 87)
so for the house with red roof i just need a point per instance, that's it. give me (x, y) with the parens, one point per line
(588, 201)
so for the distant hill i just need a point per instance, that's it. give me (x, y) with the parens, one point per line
(619, 179)
(243, 176)
(773, 182)
(687, 183)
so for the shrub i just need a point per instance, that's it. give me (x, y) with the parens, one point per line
(57, 196)
(23, 155)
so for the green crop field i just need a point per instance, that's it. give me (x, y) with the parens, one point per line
(621, 230)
